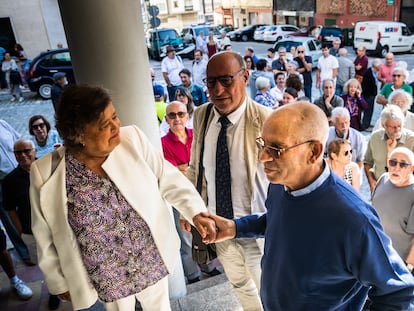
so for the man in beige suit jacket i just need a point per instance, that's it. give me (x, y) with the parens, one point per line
(226, 81)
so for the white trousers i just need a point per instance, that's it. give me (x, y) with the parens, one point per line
(241, 259)
(153, 298)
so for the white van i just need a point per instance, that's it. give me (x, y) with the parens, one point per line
(381, 37)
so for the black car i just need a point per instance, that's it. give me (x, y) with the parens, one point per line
(244, 34)
(328, 35)
(44, 66)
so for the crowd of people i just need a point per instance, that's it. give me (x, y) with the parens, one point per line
(261, 167)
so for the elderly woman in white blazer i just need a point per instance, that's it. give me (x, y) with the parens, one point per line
(103, 230)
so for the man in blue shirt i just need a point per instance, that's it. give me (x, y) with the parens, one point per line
(325, 248)
(197, 92)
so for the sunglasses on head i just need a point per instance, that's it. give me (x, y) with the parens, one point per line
(394, 163)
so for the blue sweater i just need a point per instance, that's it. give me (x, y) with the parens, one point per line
(325, 250)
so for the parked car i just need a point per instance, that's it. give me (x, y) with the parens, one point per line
(225, 27)
(277, 32)
(244, 34)
(158, 40)
(258, 34)
(44, 66)
(381, 37)
(312, 31)
(313, 47)
(329, 34)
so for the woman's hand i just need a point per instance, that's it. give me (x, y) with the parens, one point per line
(185, 225)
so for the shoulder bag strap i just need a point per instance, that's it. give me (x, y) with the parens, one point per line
(200, 162)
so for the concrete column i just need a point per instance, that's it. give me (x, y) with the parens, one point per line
(107, 44)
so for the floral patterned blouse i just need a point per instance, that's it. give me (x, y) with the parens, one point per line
(115, 243)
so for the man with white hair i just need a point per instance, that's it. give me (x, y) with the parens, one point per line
(398, 219)
(398, 78)
(383, 141)
(403, 100)
(341, 129)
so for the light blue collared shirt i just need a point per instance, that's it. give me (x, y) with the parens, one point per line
(313, 186)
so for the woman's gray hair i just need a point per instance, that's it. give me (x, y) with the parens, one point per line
(262, 83)
(339, 112)
(347, 83)
(392, 112)
(408, 99)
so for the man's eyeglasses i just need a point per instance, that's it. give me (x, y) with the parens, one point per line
(38, 126)
(275, 152)
(225, 81)
(173, 115)
(25, 151)
(394, 163)
(301, 51)
(395, 75)
(347, 152)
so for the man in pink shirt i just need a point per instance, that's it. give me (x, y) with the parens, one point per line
(385, 73)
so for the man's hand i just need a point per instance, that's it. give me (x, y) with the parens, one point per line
(226, 228)
(65, 296)
(206, 226)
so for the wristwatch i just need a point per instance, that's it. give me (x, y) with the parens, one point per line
(410, 267)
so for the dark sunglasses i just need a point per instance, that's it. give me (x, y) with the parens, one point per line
(25, 151)
(347, 152)
(301, 51)
(396, 75)
(38, 126)
(394, 163)
(173, 115)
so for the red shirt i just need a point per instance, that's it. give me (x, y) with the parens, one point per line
(175, 151)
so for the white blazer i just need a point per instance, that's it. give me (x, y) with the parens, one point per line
(146, 181)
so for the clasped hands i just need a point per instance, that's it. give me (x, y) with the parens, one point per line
(211, 227)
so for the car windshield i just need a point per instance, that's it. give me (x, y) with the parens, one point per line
(273, 28)
(167, 35)
(287, 45)
(261, 28)
(204, 29)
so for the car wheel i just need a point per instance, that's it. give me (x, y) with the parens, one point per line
(244, 38)
(45, 90)
(384, 51)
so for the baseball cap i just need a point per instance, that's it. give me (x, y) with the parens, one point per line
(58, 75)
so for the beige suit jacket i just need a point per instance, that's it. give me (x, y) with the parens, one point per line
(255, 115)
(146, 181)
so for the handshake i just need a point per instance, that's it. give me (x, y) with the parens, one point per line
(211, 227)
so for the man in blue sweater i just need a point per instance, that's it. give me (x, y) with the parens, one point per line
(325, 248)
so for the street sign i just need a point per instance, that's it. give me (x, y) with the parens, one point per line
(155, 21)
(153, 10)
